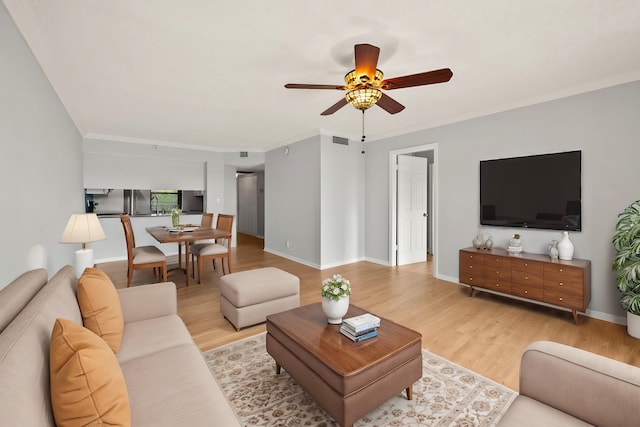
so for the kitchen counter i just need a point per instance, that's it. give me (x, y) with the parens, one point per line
(117, 214)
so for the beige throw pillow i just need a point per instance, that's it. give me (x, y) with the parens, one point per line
(87, 385)
(100, 307)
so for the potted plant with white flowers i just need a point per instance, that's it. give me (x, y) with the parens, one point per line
(626, 242)
(335, 298)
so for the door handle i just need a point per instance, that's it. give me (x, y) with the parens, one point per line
(424, 215)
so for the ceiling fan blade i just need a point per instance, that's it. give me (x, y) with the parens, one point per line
(312, 86)
(389, 104)
(335, 107)
(366, 59)
(420, 79)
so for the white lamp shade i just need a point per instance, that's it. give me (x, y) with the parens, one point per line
(82, 228)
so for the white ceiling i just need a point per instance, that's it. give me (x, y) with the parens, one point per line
(210, 74)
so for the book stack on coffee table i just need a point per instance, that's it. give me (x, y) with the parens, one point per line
(360, 328)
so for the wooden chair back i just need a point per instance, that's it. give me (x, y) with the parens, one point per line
(224, 222)
(128, 235)
(207, 220)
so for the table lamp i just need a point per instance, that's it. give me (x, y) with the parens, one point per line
(83, 228)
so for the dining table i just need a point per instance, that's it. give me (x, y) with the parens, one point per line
(188, 234)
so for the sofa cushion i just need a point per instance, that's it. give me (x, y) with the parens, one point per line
(100, 307)
(18, 293)
(87, 385)
(527, 412)
(152, 335)
(174, 387)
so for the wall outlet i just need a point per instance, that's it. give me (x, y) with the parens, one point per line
(287, 244)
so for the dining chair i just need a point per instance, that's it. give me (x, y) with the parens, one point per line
(202, 252)
(142, 256)
(205, 222)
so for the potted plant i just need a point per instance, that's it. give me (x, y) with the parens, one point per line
(335, 298)
(626, 242)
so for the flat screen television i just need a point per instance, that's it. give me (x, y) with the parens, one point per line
(542, 191)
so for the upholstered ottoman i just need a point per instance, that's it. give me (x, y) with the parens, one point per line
(248, 297)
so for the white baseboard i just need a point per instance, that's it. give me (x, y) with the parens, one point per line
(378, 261)
(292, 258)
(119, 258)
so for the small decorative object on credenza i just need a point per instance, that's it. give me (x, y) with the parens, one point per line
(335, 298)
(360, 328)
(565, 247)
(553, 250)
(478, 241)
(515, 245)
(489, 243)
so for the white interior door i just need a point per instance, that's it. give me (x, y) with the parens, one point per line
(412, 209)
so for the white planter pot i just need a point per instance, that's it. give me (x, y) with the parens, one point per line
(335, 310)
(633, 325)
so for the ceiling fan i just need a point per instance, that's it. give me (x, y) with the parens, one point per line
(365, 83)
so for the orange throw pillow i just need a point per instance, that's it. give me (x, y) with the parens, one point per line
(100, 307)
(87, 385)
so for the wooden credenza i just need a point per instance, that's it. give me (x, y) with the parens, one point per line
(532, 276)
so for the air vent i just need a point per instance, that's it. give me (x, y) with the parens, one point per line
(244, 154)
(341, 141)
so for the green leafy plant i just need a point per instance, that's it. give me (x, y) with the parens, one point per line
(335, 287)
(626, 242)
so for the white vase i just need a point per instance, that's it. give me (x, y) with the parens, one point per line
(335, 309)
(633, 325)
(565, 247)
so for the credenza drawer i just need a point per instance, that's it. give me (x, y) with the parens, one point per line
(471, 257)
(497, 262)
(527, 291)
(497, 285)
(558, 275)
(471, 279)
(525, 265)
(570, 300)
(527, 278)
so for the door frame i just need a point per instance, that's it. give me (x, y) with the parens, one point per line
(393, 197)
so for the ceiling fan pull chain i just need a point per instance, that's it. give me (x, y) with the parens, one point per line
(363, 136)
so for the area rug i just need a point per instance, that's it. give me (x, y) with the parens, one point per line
(446, 395)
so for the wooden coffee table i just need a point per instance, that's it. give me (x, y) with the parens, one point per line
(347, 379)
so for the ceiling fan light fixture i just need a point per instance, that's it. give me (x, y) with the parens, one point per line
(353, 81)
(362, 99)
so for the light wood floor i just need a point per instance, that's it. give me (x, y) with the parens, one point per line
(485, 333)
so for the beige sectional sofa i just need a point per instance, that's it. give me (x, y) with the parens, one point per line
(167, 380)
(562, 386)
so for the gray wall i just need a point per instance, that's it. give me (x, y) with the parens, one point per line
(342, 202)
(292, 201)
(314, 199)
(40, 163)
(604, 124)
